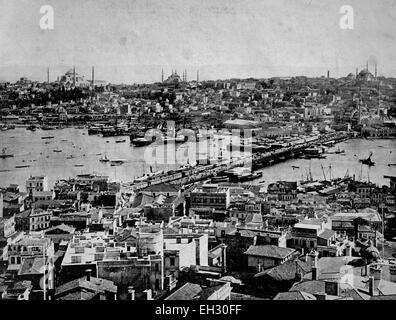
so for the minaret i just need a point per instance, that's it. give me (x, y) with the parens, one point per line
(162, 75)
(379, 97)
(48, 75)
(74, 75)
(93, 76)
(367, 67)
(375, 72)
(328, 74)
(197, 75)
(185, 72)
(356, 71)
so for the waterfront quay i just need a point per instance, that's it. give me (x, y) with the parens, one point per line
(189, 175)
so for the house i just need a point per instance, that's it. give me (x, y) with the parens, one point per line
(262, 257)
(191, 291)
(280, 278)
(87, 288)
(36, 184)
(59, 233)
(166, 189)
(210, 195)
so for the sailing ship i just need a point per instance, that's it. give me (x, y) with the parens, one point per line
(4, 155)
(104, 159)
(368, 161)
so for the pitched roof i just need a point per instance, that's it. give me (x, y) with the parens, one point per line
(294, 295)
(163, 187)
(97, 285)
(326, 234)
(286, 271)
(188, 291)
(31, 265)
(269, 251)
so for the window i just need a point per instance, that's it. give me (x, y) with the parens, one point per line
(157, 284)
(12, 260)
(156, 267)
(172, 261)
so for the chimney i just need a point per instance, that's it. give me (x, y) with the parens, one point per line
(148, 293)
(320, 296)
(131, 291)
(371, 286)
(315, 272)
(88, 274)
(223, 260)
(332, 288)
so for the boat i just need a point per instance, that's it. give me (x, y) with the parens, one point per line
(31, 127)
(57, 150)
(48, 137)
(167, 140)
(4, 155)
(314, 153)
(120, 141)
(391, 164)
(104, 159)
(220, 179)
(22, 166)
(79, 165)
(295, 167)
(70, 157)
(180, 139)
(140, 142)
(368, 161)
(117, 162)
(338, 151)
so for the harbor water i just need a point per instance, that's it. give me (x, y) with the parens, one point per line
(72, 151)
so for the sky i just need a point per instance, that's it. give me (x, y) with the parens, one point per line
(130, 41)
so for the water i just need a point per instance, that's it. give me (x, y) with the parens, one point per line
(384, 152)
(29, 149)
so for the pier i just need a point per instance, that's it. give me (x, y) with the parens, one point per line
(255, 160)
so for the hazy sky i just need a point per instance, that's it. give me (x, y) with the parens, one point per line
(131, 40)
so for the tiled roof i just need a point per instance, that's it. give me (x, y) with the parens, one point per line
(269, 251)
(189, 291)
(294, 295)
(326, 234)
(286, 271)
(163, 187)
(95, 284)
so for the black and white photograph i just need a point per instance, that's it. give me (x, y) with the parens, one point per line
(197, 150)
